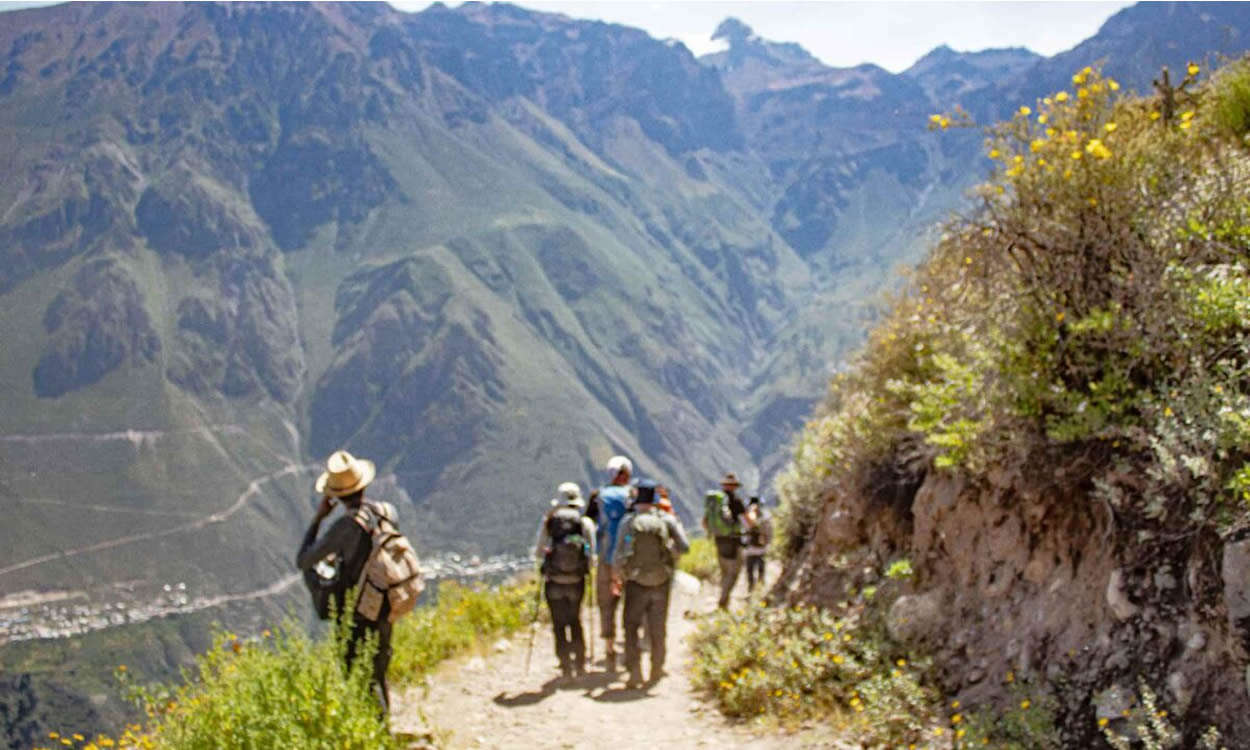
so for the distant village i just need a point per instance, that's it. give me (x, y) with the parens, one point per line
(61, 614)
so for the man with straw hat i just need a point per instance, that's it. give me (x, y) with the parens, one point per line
(347, 546)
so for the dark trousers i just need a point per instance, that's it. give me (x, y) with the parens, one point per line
(565, 602)
(755, 571)
(607, 604)
(361, 629)
(647, 604)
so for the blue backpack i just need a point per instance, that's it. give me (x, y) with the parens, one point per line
(613, 503)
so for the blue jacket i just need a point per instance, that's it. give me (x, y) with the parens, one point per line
(613, 503)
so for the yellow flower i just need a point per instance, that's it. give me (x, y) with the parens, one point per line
(901, 662)
(1093, 202)
(994, 153)
(1014, 171)
(1076, 154)
(1062, 96)
(967, 260)
(1193, 69)
(1037, 145)
(1025, 704)
(960, 734)
(828, 636)
(53, 736)
(1082, 93)
(1078, 79)
(956, 719)
(1102, 722)
(1185, 125)
(78, 737)
(1167, 411)
(1113, 84)
(1041, 119)
(837, 659)
(1017, 159)
(1011, 677)
(1047, 101)
(1025, 111)
(954, 704)
(1155, 115)
(1097, 149)
(1050, 132)
(1187, 115)
(1058, 319)
(938, 731)
(1109, 127)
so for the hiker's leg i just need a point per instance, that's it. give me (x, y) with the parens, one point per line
(657, 626)
(607, 605)
(755, 571)
(578, 640)
(729, 569)
(635, 609)
(381, 663)
(557, 603)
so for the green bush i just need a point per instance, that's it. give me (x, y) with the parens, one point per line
(700, 560)
(284, 690)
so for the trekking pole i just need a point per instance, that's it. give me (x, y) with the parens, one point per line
(538, 595)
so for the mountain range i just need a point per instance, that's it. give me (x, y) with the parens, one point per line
(485, 247)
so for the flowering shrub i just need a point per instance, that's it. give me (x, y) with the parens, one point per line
(700, 560)
(795, 663)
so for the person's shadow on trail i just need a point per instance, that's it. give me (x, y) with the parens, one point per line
(623, 695)
(588, 682)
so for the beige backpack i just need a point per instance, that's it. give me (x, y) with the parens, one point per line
(391, 573)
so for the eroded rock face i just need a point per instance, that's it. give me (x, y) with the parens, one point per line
(1019, 576)
(243, 342)
(96, 326)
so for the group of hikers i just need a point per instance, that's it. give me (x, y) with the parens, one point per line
(621, 543)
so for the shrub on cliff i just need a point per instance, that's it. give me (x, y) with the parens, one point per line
(1096, 302)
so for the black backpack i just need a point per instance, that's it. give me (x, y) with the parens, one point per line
(568, 556)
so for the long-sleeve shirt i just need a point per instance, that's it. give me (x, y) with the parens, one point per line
(544, 537)
(676, 535)
(347, 540)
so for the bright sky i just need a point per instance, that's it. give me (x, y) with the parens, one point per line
(890, 34)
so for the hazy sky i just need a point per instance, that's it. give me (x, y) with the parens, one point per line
(890, 34)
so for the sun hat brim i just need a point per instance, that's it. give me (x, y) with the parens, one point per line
(367, 472)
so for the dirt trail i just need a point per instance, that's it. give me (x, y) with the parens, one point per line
(492, 703)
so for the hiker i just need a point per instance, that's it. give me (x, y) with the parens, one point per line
(647, 546)
(347, 547)
(566, 549)
(722, 520)
(613, 502)
(759, 534)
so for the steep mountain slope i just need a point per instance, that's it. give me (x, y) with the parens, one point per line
(485, 247)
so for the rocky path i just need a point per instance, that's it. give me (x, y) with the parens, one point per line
(491, 702)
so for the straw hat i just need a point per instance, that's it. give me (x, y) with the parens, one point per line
(345, 474)
(730, 480)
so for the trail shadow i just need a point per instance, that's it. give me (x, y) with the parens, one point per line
(590, 681)
(623, 695)
(529, 698)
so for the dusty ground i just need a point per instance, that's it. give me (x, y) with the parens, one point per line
(489, 701)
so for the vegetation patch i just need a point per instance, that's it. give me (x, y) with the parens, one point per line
(287, 689)
(700, 560)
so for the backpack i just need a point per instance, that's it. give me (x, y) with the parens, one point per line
(568, 557)
(391, 576)
(755, 534)
(613, 504)
(716, 515)
(648, 558)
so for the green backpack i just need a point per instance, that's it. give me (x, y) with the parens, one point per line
(716, 514)
(648, 557)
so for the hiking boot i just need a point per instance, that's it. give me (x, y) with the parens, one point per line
(633, 682)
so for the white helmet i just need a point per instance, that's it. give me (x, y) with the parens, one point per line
(618, 463)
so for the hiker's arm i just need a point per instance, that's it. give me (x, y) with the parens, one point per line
(588, 531)
(675, 532)
(618, 553)
(339, 538)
